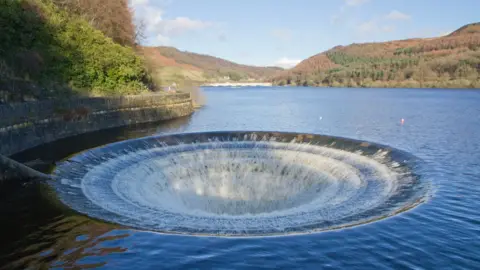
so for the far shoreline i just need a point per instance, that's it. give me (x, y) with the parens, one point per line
(238, 84)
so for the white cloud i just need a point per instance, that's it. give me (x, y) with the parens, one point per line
(160, 40)
(136, 3)
(396, 15)
(159, 30)
(335, 19)
(286, 62)
(367, 27)
(180, 25)
(356, 2)
(342, 15)
(282, 34)
(222, 37)
(372, 27)
(388, 28)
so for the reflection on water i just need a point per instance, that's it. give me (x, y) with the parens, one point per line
(38, 232)
(43, 156)
(441, 127)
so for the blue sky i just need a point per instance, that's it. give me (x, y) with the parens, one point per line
(283, 32)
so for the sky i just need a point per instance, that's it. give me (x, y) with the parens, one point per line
(284, 32)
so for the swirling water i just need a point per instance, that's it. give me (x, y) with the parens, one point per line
(442, 127)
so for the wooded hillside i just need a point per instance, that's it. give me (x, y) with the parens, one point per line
(448, 61)
(174, 65)
(57, 48)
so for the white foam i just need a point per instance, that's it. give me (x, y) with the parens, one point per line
(224, 187)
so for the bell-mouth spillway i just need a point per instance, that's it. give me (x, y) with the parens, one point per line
(240, 183)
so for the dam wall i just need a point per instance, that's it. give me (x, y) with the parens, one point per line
(240, 84)
(29, 124)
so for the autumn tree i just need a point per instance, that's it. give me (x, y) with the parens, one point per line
(113, 17)
(423, 73)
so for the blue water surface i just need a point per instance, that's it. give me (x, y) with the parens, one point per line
(442, 127)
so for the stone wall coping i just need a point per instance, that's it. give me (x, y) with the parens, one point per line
(15, 113)
(29, 124)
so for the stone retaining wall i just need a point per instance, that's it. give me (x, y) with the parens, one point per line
(26, 125)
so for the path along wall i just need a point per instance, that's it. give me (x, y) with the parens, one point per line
(26, 125)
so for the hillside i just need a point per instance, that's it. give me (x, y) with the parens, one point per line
(52, 51)
(448, 61)
(172, 65)
(473, 28)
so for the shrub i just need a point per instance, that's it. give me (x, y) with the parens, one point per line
(56, 47)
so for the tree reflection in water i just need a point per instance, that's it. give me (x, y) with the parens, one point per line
(37, 232)
(45, 236)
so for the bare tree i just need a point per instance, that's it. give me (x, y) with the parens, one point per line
(140, 29)
(113, 17)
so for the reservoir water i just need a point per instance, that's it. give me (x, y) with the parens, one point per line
(440, 127)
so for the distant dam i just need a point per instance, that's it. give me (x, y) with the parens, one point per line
(238, 84)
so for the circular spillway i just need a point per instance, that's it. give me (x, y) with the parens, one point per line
(240, 183)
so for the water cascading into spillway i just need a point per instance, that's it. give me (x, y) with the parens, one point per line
(240, 183)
